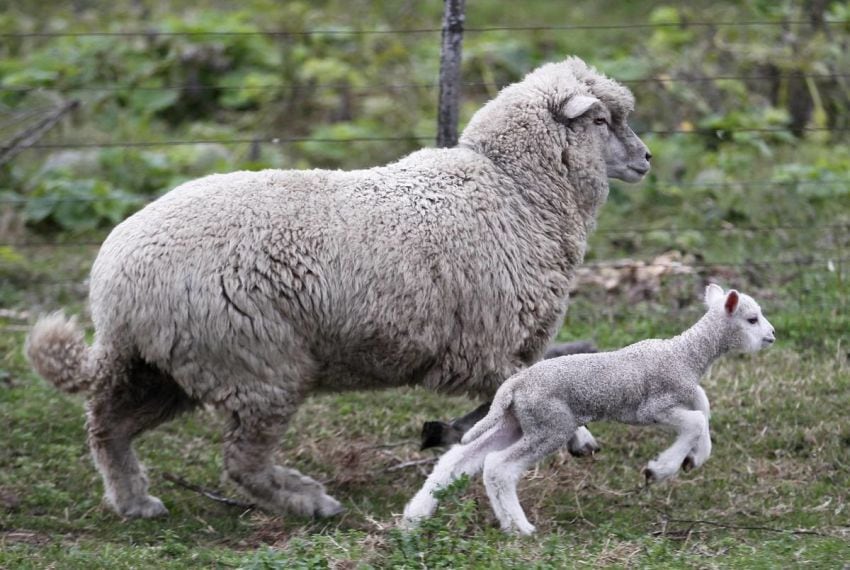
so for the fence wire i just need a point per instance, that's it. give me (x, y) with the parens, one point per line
(684, 24)
(832, 261)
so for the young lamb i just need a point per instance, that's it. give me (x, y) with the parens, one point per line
(248, 291)
(654, 381)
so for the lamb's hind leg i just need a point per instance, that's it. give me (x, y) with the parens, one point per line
(459, 460)
(249, 444)
(545, 430)
(137, 399)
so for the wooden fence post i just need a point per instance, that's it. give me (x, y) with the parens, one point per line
(450, 59)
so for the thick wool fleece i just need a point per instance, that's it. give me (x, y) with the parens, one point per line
(449, 268)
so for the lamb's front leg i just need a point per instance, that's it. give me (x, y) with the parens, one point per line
(702, 450)
(690, 426)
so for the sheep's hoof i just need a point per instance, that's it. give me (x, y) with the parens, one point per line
(688, 464)
(146, 508)
(316, 505)
(651, 476)
(439, 434)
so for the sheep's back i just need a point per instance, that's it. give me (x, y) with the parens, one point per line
(404, 274)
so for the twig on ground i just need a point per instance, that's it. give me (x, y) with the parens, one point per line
(413, 463)
(667, 519)
(206, 492)
(392, 444)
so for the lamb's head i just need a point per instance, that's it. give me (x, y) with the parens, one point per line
(564, 119)
(744, 326)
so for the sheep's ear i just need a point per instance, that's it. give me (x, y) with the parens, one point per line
(731, 302)
(713, 294)
(578, 105)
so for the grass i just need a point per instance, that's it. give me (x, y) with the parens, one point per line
(774, 493)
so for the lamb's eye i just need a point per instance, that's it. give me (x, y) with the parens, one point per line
(600, 121)
(753, 320)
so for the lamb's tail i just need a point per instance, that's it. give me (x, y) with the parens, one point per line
(57, 350)
(494, 417)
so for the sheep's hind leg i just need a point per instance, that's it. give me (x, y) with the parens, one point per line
(690, 426)
(459, 460)
(249, 444)
(118, 412)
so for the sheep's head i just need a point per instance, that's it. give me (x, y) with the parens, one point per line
(566, 120)
(746, 328)
(626, 156)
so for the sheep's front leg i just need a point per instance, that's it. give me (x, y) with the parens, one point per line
(248, 448)
(690, 426)
(702, 450)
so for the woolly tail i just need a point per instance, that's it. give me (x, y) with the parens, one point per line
(57, 350)
(500, 405)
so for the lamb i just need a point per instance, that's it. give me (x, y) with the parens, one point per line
(248, 291)
(536, 411)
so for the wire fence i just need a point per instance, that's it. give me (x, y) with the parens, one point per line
(379, 88)
(684, 24)
(831, 261)
(719, 133)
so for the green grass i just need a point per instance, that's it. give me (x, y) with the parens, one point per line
(773, 494)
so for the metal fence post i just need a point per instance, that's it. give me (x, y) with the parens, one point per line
(450, 59)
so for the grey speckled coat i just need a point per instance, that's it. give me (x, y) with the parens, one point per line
(653, 381)
(449, 268)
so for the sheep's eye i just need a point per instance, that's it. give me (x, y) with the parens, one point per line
(753, 320)
(600, 121)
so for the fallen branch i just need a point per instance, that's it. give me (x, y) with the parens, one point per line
(206, 492)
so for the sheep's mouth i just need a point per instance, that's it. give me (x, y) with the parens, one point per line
(640, 170)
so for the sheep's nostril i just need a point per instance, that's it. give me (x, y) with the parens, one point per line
(648, 155)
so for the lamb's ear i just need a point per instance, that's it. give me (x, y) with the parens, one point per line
(731, 302)
(578, 105)
(713, 295)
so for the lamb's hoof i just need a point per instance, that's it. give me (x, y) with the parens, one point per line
(650, 475)
(582, 444)
(521, 529)
(586, 450)
(410, 523)
(688, 464)
(146, 508)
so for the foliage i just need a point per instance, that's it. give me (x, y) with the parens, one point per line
(756, 174)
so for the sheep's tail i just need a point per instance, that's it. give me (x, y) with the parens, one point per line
(493, 419)
(57, 350)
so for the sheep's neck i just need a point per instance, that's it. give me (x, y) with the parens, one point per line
(567, 214)
(701, 344)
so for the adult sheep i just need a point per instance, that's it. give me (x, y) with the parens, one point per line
(247, 291)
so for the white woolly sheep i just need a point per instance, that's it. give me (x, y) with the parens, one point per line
(538, 410)
(248, 291)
